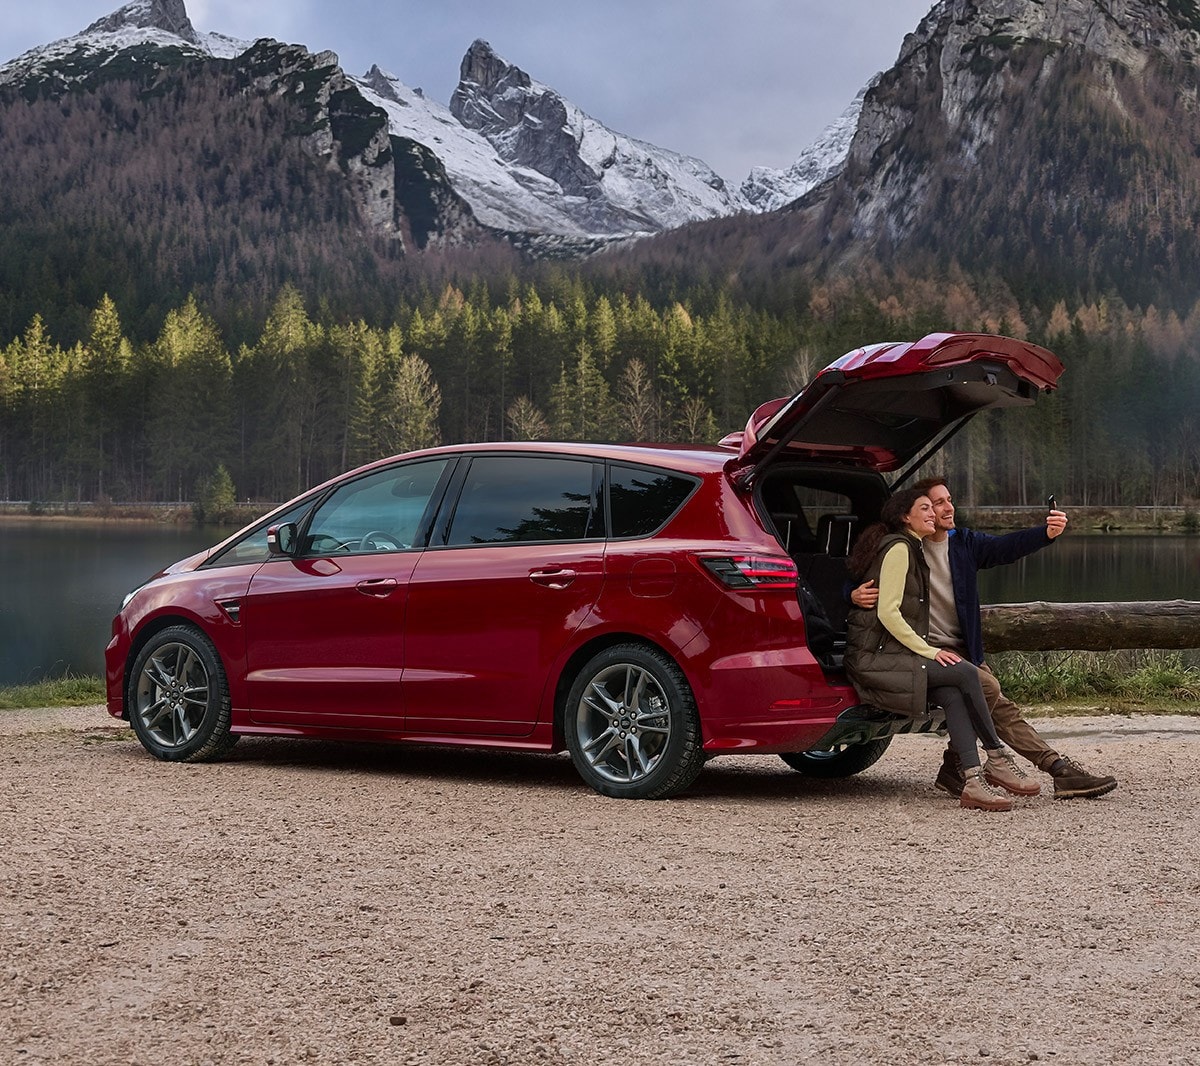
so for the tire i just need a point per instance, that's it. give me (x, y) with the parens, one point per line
(631, 724)
(841, 762)
(179, 697)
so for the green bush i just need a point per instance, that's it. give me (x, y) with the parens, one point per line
(216, 498)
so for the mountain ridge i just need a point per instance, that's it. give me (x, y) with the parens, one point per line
(527, 161)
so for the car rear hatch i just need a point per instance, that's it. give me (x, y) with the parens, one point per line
(889, 407)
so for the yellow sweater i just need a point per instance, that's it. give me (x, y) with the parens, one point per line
(892, 574)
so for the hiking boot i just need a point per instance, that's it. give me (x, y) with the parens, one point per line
(950, 776)
(1001, 769)
(978, 795)
(1072, 781)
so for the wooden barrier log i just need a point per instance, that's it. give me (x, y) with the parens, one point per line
(1091, 626)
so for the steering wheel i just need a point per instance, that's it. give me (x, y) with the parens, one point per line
(378, 540)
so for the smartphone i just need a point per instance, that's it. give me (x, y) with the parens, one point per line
(1050, 503)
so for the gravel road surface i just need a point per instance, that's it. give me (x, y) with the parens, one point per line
(308, 902)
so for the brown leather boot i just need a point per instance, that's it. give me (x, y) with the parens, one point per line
(1001, 769)
(978, 795)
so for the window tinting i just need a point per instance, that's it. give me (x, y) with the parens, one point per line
(379, 512)
(522, 498)
(640, 501)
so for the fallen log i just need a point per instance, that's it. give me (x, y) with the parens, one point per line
(1091, 626)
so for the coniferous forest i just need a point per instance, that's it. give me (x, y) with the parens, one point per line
(185, 288)
(561, 356)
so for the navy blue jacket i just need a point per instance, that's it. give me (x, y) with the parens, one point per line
(971, 552)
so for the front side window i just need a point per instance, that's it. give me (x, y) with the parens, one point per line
(640, 501)
(382, 512)
(252, 548)
(526, 498)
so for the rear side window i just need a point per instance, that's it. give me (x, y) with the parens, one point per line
(508, 498)
(641, 501)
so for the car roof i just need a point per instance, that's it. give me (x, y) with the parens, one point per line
(688, 458)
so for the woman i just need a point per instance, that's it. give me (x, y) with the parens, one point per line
(892, 664)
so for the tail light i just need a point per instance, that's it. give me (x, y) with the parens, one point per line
(751, 571)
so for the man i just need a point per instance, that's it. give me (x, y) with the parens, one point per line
(955, 557)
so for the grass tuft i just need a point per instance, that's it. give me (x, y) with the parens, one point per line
(1132, 679)
(65, 691)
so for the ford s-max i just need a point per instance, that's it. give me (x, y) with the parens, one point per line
(643, 607)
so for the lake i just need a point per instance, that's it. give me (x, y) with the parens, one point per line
(64, 581)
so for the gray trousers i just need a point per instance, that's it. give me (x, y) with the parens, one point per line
(956, 689)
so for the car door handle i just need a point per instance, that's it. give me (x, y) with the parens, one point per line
(377, 586)
(552, 579)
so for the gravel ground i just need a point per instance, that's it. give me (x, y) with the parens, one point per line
(338, 903)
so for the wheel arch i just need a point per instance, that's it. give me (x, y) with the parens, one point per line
(586, 651)
(145, 633)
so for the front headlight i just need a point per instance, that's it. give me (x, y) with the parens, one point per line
(129, 596)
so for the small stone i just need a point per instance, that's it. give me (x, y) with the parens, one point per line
(398, 1019)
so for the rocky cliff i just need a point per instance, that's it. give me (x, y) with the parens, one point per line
(1052, 139)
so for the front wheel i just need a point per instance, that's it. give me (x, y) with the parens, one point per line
(179, 697)
(631, 724)
(844, 761)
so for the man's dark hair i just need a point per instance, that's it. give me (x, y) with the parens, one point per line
(926, 483)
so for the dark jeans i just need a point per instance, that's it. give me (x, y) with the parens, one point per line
(956, 689)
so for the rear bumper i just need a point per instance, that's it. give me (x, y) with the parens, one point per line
(769, 701)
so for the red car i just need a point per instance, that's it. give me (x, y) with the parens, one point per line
(643, 607)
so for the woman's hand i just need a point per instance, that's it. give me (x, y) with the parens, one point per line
(946, 657)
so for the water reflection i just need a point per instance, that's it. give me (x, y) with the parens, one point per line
(1084, 568)
(64, 581)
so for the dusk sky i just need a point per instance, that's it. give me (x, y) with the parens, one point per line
(738, 85)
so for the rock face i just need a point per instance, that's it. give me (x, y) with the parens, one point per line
(616, 184)
(1010, 129)
(168, 15)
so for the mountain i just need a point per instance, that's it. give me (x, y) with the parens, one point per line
(606, 182)
(526, 162)
(1055, 143)
(1051, 145)
(766, 189)
(133, 32)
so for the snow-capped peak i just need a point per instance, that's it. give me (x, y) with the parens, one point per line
(767, 189)
(163, 23)
(613, 183)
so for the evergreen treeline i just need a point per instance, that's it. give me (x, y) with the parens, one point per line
(565, 358)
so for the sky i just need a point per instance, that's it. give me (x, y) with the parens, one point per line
(737, 83)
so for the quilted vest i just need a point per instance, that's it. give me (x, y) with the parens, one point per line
(884, 672)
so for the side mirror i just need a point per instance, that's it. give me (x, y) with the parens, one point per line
(281, 540)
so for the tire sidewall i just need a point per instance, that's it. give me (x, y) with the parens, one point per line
(851, 760)
(683, 757)
(213, 733)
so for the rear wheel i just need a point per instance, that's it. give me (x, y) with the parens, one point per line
(631, 724)
(179, 697)
(843, 761)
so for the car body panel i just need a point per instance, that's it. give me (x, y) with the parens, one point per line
(325, 640)
(485, 623)
(880, 406)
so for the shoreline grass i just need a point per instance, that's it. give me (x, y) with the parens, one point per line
(66, 691)
(1059, 683)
